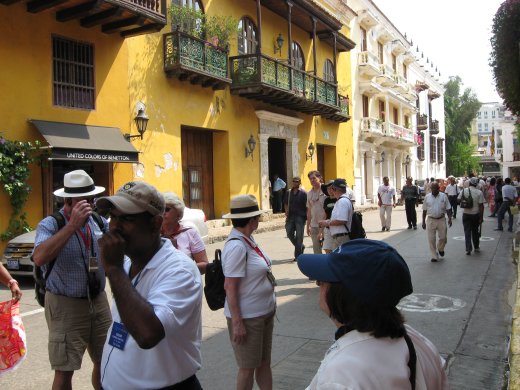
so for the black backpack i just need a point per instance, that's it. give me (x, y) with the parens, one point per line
(356, 229)
(214, 282)
(40, 280)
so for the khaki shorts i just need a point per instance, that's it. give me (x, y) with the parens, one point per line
(328, 241)
(73, 328)
(259, 339)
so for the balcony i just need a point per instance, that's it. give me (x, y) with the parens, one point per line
(371, 127)
(367, 19)
(400, 134)
(421, 86)
(422, 122)
(368, 64)
(398, 47)
(410, 93)
(434, 127)
(401, 85)
(386, 77)
(408, 57)
(126, 17)
(433, 94)
(343, 115)
(384, 35)
(260, 77)
(199, 62)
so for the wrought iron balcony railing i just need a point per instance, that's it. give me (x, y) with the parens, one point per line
(261, 77)
(193, 59)
(422, 121)
(434, 127)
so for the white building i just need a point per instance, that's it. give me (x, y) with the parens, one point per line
(398, 106)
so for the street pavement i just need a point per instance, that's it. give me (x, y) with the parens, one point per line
(463, 304)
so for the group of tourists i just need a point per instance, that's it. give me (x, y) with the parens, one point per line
(151, 337)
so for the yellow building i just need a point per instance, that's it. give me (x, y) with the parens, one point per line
(275, 90)
(64, 81)
(222, 122)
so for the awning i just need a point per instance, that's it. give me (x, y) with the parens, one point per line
(72, 141)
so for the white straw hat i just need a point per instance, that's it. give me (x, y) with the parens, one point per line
(78, 184)
(243, 206)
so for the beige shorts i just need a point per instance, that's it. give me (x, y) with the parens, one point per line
(328, 241)
(73, 328)
(259, 339)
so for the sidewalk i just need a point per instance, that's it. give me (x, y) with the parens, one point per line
(218, 230)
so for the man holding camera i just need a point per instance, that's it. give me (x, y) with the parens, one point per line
(76, 305)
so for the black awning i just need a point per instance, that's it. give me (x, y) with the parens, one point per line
(73, 141)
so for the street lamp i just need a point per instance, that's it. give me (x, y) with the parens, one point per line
(311, 149)
(141, 121)
(251, 143)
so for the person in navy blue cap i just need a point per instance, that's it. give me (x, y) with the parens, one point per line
(361, 283)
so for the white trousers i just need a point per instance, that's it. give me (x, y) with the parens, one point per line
(434, 227)
(386, 222)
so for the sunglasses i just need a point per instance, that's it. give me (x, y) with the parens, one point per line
(128, 218)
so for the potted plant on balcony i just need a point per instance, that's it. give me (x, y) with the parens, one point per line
(187, 20)
(219, 29)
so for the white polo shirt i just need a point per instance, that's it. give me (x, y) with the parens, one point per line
(342, 211)
(509, 192)
(451, 190)
(172, 284)
(387, 194)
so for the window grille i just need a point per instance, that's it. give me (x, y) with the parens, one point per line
(73, 74)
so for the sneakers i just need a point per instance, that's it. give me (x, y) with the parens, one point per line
(415, 228)
(441, 253)
(409, 226)
(477, 249)
(468, 252)
(498, 229)
(433, 260)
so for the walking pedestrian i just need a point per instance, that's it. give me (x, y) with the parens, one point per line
(410, 194)
(498, 196)
(490, 195)
(340, 221)
(315, 211)
(278, 188)
(154, 341)
(360, 285)
(76, 305)
(452, 190)
(295, 213)
(472, 216)
(386, 196)
(250, 300)
(436, 206)
(509, 197)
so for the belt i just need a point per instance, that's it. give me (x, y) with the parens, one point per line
(442, 216)
(339, 235)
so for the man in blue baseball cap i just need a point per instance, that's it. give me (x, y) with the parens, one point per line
(361, 283)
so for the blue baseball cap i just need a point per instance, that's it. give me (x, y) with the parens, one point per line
(373, 271)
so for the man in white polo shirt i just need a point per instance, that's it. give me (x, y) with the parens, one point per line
(509, 196)
(386, 195)
(154, 341)
(340, 221)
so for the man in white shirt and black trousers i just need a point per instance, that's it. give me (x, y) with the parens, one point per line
(509, 196)
(436, 205)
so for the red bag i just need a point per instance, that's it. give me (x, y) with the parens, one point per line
(12, 336)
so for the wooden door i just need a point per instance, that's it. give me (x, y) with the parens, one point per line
(320, 155)
(197, 170)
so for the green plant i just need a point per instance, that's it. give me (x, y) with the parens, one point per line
(15, 158)
(187, 20)
(505, 53)
(219, 29)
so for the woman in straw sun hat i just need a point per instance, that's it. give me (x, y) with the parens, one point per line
(250, 301)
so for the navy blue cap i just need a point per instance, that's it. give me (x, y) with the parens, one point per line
(373, 271)
(340, 183)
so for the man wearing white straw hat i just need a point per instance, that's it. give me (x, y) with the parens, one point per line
(250, 301)
(76, 305)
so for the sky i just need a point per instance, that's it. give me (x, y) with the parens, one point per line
(454, 34)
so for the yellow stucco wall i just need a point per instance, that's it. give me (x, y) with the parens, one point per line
(172, 103)
(26, 86)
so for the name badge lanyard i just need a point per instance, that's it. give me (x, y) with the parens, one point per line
(258, 251)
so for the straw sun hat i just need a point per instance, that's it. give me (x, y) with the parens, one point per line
(243, 206)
